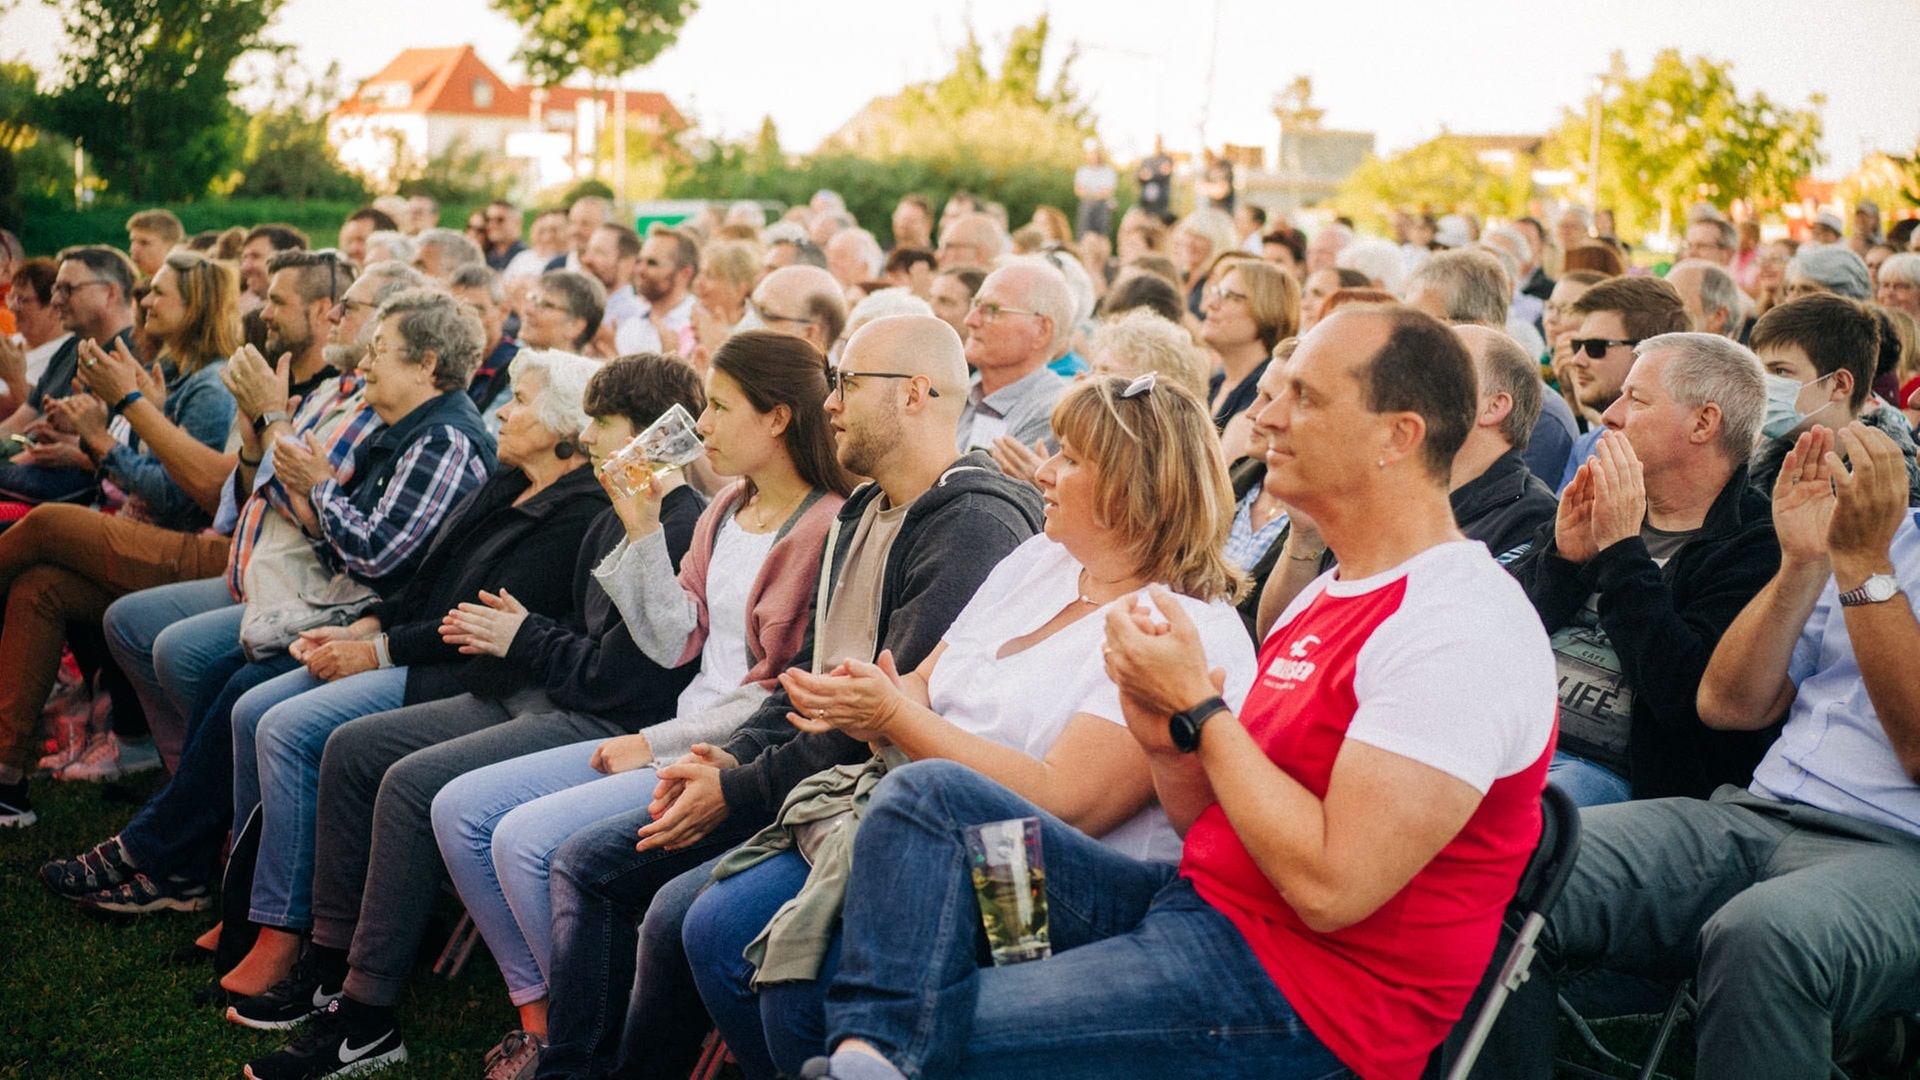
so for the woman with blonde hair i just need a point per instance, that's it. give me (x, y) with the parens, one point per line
(1052, 221)
(1137, 495)
(729, 269)
(1253, 307)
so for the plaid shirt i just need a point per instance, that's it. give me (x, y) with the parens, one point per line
(377, 533)
(335, 412)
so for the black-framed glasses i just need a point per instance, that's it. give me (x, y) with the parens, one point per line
(837, 379)
(61, 288)
(1596, 347)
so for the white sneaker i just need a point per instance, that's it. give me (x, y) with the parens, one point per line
(110, 758)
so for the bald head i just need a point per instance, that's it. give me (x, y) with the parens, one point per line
(970, 240)
(913, 345)
(804, 301)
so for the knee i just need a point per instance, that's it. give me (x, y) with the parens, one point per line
(458, 820)
(41, 591)
(1754, 941)
(410, 786)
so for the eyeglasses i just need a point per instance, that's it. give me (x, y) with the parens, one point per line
(346, 306)
(1223, 294)
(61, 288)
(1596, 347)
(837, 379)
(541, 303)
(992, 312)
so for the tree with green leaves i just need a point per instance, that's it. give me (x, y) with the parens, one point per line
(146, 88)
(1442, 175)
(287, 153)
(1683, 134)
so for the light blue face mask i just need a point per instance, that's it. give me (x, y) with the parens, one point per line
(1783, 405)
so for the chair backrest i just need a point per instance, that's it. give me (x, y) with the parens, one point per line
(1552, 861)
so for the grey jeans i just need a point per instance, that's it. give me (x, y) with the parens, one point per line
(377, 865)
(1794, 922)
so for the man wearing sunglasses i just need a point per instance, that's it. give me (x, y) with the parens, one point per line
(1615, 315)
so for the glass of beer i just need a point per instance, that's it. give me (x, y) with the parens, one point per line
(1009, 879)
(668, 443)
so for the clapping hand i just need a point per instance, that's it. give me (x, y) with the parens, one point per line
(1619, 491)
(1015, 459)
(257, 387)
(300, 464)
(487, 628)
(857, 698)
(111, 376)
(1870, 499)
(688, 803)
(1803, 498)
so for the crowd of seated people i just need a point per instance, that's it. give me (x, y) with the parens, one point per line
(1275, 574)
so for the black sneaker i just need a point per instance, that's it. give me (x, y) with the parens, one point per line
(343, 1042)
(287, 1003)
(16, 810)
(142, 895)
(100, 867)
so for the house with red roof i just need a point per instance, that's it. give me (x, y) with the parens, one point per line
(426, 102)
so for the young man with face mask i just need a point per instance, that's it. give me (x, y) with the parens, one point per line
(1820, 352)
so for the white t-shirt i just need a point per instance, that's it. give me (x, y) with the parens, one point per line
(1025, 700)
(41, 355)
(724, 660)
(634, 335)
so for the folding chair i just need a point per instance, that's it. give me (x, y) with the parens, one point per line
(714, 1056)
(1540, 884)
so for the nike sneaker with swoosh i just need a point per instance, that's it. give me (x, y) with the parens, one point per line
(345, 1041)
(287, 1003)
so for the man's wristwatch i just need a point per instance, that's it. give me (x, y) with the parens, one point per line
(1184, 727)
(1877, 589)
(267, 419)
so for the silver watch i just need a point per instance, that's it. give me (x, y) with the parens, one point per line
(1877, 589)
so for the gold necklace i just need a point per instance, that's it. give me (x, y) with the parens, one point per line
(1081, 590)
(760, 526)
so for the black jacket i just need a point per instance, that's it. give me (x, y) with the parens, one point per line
(588, 662)
(1664, 622)
(1504, 507)
(488, 543)
(952, 537)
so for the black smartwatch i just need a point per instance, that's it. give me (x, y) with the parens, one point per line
(1184, 727)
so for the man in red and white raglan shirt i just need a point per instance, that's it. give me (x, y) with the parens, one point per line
(1352, 836)
(1364, 820)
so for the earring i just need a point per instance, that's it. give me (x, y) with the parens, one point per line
(1381, 464)
(564, 451)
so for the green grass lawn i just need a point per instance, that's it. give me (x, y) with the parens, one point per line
(79, 999)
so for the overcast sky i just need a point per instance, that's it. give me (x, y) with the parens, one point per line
(1401, 68)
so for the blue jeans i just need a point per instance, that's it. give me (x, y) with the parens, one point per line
(36, 484)
(200, 623)
(772, 1031)
(1146, 979)
(498, 827)
(180, 830)
(279, 730)
(1588, 783)
(611, 969)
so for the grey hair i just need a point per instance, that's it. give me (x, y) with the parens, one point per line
(883, 304)
(560, 407)
(391, 278)
(1717, 290)
(1474, 283)
(870, 254)
(1078, 283)
(456, 249)
(747, 212)
(1045, 293)
(1729, 238)
(1505, 368)
(1146, 342)
(1380, 260)
(479, 277)
(1580, 214)
(585, 297)
(1707, 368)
(1216, 225)
(1903, 267)
(430, 320)
(398, 245)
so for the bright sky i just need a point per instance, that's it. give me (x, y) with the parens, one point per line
(1400, 68)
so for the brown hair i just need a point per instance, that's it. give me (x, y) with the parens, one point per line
(160, 223)
(774, 369)
(1833, 331)
(1594, 255)
(1159, 481)
(642, 386)
(1344, 297)
(210, 291)
(1647, 306)
(1273, 299)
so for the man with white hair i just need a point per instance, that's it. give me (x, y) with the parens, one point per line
(1659, 542)
(440, 252)
(1323, 250)
(1020, 318)
(1711, 298)
(854, 256)
(1712, 239)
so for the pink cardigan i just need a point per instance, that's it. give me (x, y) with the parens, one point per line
(777, 603)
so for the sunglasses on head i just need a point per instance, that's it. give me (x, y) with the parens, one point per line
(1596, 347)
